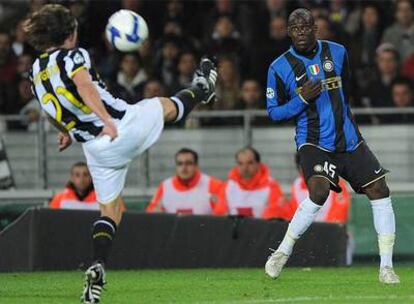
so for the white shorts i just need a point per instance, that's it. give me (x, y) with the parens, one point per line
(108, 161)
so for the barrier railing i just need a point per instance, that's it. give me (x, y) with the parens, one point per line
(246, 124)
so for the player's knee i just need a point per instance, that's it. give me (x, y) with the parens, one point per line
(169, 109)
(377, 190)
(318, 190)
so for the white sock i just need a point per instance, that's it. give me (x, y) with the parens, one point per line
(384, 223)
(301, 221)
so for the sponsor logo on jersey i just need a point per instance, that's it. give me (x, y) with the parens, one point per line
(328, 84)
(270, 93)
(328, 66)
(314, 69)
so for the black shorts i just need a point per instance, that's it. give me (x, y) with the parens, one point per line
(359, 167)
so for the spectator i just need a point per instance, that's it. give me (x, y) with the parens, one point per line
(250, 190)
(24, 64)
(28, 106)
(367, 38)
(225, 38)
(188, 192)
(324, 31)
(8, 75)
(187, 64)
(78, 193)
(402, 97)
(147, 59)
(166, 60)
(131, 77)
(269, 49)
(19, 44)
(378, 90)
(335, 209)
(153, 88)
(228, 92)
(401, 33)
(251, 95)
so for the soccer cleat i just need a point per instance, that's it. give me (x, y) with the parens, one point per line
(275, 264)
(387, 275)
(205, 78)
(94, 282)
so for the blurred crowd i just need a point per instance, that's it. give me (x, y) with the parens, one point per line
(244, 36)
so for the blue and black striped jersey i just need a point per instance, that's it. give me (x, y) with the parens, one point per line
(326, 122)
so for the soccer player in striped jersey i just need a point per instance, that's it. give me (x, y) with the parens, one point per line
(310, 83)
(112, 132)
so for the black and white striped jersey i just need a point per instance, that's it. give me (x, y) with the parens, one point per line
(58, 96)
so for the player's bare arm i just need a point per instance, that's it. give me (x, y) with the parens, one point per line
(90, 96)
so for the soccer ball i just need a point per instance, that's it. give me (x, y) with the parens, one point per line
(126, 30)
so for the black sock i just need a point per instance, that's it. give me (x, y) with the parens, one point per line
(186, 100)
(104, 230)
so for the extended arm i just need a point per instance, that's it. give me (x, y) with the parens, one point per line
(90, 96)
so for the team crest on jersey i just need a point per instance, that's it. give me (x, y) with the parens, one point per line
(270, 93)
(318, 168)
(78, 58)
(328, 66)
(314, 69)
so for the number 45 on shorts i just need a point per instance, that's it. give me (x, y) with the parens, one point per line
(329, 169)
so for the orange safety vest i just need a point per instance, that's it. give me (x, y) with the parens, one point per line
(335, 209)
(196, 196)
(260, 197)
(68, 199)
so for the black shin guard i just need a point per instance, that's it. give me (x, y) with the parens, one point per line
(186, 100)
(104, 230)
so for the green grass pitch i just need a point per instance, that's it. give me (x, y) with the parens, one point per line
(317, 285)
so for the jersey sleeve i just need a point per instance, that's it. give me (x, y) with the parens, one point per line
(77, 60)
(279, 106)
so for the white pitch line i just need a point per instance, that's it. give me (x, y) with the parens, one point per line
(311, 299)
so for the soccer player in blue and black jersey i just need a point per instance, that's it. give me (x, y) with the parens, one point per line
(310, 83)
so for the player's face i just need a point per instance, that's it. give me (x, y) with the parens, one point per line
(247, 164)
(81, 178)
(186, 166)
(303, 35)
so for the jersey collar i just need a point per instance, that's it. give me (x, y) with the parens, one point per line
(318, 52)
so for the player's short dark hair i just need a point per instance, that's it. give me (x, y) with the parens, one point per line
(255, 153)
(301, 13)
(49, 27)
(402, 81)
(188, 151)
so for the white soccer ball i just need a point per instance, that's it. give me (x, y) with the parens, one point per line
(126, 30)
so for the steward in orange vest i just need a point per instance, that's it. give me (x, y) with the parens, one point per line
(250, 190)
(188, 192)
